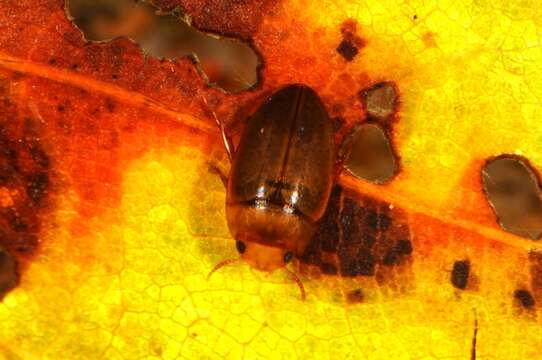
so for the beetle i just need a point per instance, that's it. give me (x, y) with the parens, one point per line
(280, 178)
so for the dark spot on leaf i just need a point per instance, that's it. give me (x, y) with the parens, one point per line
(377, 220)
(24, 243)
(15, 220)
(347, 50)
(110, 104)
(349, 46)
(404, 247)
(371, 218)
(397, 252)
(40, 157)
(355, 296)
(329, 269)
(327, 238)
(36, 186)
(460, 274)
(366, 262)
(368, 239)
(8, 272)
(384, 221)
(524, 298)
(512, 188)
(349, 265)
(24, 181)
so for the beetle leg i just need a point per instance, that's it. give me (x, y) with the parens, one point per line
(344, 151)
(228, 144)
(218, 171)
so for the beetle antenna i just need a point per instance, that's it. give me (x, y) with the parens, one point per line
(295, 278)
(221, 265)
(225, 138)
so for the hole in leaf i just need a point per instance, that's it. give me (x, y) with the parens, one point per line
(380, 100)
(513, 190)
(225, 62)
(370, 155)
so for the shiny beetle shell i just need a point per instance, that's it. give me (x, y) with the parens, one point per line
(281, 177)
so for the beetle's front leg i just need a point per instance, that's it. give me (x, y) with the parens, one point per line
(215, 169)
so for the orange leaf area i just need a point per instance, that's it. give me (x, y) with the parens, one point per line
(133, 219)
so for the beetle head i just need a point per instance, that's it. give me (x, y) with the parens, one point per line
(263, 257)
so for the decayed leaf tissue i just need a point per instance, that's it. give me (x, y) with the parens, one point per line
(422, 241)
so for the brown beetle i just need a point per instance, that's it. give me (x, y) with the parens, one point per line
(280, 179)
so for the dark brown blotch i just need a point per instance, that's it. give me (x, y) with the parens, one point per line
(15, 220)
(347, 50)
(368, 239)
(512, 187)
(366, 262)
(37, 185)
(351, 43)
(8, 272)
(361, 236)
(460, 274)
(110, 105)
(349, 264)
(398, 252)
(524, 298)
(25, 167)
(24, 243)
(329, 269)
(355, 296)
(40, 156)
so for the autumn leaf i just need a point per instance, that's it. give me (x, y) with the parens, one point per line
(126, 219)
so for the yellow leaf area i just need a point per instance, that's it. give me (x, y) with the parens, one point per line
(122, 274)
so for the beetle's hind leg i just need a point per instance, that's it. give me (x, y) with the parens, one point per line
(343, 151)
(215, 169)
(228, 144)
